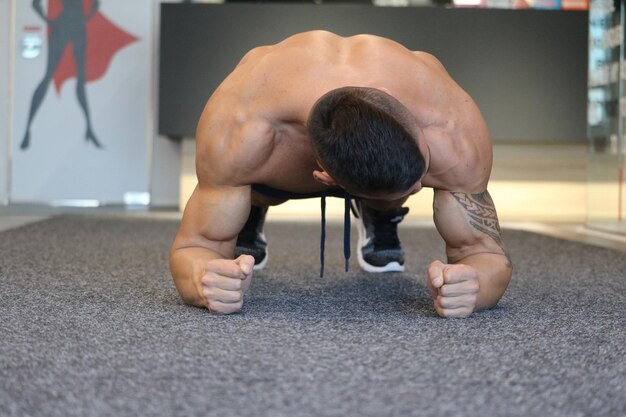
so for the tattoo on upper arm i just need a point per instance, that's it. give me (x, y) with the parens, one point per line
(483, 217)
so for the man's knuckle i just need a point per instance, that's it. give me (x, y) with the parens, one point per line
(205, 279)
(214, 307)
(234, 269)
(455, 313)
(446, 302)
(235, 307)
(206, 291)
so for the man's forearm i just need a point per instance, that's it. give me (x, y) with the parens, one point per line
(494, 274)
(185, 264)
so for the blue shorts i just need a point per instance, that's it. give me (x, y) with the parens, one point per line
(288, 195)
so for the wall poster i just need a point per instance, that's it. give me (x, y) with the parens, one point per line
(82, 123)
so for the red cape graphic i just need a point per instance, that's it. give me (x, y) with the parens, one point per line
(104, 39)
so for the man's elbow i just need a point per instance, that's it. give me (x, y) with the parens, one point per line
(183, 280)
(495, 288)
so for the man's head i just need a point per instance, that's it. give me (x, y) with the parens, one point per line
(364, 139)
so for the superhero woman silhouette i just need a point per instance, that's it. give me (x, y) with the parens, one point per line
(70, 24)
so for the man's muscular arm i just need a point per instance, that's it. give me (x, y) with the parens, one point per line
(478, 269)
(213, 217)
(201, 257)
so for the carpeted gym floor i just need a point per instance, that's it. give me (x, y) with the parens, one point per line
(91, 325)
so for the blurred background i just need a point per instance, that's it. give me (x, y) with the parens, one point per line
(102, 114)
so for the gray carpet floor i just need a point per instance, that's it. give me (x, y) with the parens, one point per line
(91, 325)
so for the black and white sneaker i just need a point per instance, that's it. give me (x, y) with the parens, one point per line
(379, 246)
(251, 240)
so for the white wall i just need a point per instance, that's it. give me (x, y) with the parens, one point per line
(60, 164)
(123, 104)
(5, 30)
(166, 152)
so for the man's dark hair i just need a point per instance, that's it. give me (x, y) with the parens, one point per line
(361, 137)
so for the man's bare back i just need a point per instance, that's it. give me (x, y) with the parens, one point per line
(254, 131)
(274, 87)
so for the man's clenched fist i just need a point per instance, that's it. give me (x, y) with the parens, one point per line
(454, 288)
(224, 282)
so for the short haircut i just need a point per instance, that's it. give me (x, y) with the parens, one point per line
(361, 137)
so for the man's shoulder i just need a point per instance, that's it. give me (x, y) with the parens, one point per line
(428, 59)
(460, 161)
(230, 151)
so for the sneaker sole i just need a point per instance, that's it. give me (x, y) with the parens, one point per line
(390, 267)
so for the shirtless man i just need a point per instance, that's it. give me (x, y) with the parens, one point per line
(321, 113)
